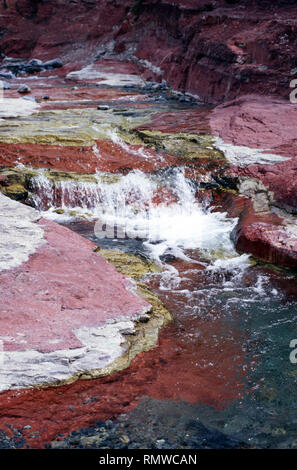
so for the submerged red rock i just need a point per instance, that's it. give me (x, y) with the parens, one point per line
(104, 156)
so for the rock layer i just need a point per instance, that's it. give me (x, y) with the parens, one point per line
(215, 50)
(66, 309)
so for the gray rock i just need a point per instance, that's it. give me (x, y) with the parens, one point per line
(14, 65)
(31, 98)
(160, 443)
(24, 89)
(35, 63)
(7, 75)
(103, 107)
(53, 64)
(13, 61)
(59, 444)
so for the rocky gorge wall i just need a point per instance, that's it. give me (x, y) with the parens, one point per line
(216, 50)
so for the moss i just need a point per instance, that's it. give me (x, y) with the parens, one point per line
(59, 211)
(75, 127)
(24, 175)
(181, 145)
(83, 127)
(16, 192)
(130, 265)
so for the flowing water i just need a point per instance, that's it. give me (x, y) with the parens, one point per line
(224, 362)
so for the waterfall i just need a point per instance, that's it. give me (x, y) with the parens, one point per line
(159, 209)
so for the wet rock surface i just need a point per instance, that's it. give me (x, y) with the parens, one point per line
(50, 347)
(168, 425)
(102, 127)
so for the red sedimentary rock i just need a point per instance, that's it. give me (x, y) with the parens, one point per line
(106, 156)
(215, 50)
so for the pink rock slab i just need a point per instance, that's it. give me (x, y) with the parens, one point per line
(63, 287)
(257, 122)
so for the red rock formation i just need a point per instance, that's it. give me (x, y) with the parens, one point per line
(199, 370)
(214, 49)
(266, 123)
(265, 237)
(110, 157)
(257, 122)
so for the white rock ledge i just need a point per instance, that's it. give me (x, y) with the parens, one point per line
(20, 236)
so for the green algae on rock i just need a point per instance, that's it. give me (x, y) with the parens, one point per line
(181, 145)
(23, 175)
(130, 265)
(72, 127)
(147, 328)
(83, 127)
(16, 192)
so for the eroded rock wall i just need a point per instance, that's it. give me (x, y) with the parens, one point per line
(216, 50)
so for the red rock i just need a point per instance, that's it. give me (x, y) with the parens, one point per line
(265, 237)
(65, 308)
(257, 122)
(53, 156)
(280, 178)
(4, 181)
(265, 123)
(189, 121)
(113, 157)
(198, 371)
(214, 50)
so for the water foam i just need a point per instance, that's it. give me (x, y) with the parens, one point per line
(173, 224)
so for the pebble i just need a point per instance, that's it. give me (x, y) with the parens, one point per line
(24, 89)
(160, 443)
(122, 417)
(53, 64)
(125, 439)
(35, 63)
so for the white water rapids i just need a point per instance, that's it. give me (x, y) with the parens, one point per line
(161, 210)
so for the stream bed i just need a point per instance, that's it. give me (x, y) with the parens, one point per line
(220, 375)
(224, 376)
